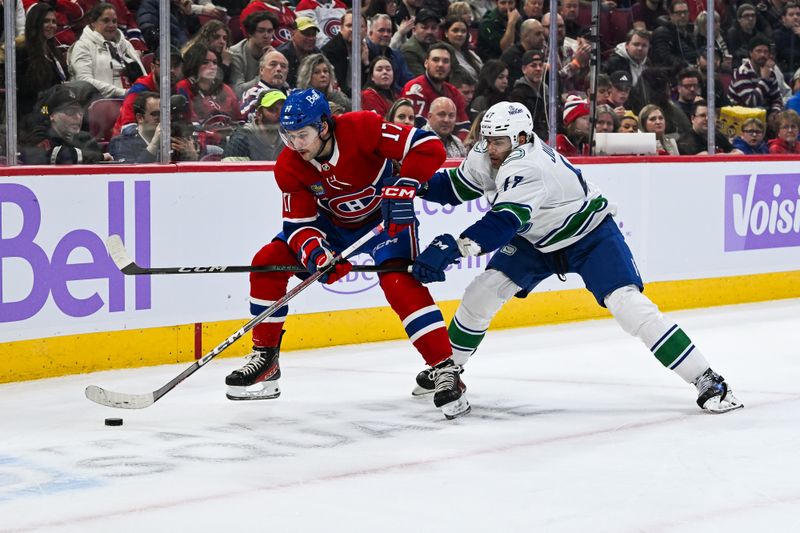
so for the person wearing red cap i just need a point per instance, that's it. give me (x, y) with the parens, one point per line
(576, 121)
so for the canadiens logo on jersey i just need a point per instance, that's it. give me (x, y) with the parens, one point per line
(355, 205)
(332, 27)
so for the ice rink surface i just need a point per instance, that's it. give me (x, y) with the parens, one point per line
(574, 428)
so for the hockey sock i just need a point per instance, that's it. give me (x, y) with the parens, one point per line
(268, 287)
(421, 318)
(484, 297)
(669, 344)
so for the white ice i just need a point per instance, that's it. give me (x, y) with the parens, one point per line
(574, 427)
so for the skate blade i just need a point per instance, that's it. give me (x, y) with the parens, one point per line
(266, 390)
(457, 408)
(717, 405)
(421, 391)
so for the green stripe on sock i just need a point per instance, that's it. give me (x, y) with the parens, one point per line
(673, 347)
(461, 338)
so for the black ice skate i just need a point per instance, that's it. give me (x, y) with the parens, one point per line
(426, 385)
(448, 395)
(714, 394)
(258, 379)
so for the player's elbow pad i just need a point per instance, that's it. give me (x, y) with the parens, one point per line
(494, 230)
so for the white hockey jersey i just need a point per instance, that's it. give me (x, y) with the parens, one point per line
(556, 207)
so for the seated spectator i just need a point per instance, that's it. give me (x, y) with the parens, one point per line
(463, 11)
(673, 44)
(415, 49)
(787, 124)
(606, 120)
(456, 32)
(498, 30)
(751, 141)
(317, 72)
(531, 37)
(787, 38)
(284, 14)
(423, 90)
(59, 140)
(720, 88)
(149, 82)
(182, 22)
(741, 31)
(216, 35)
(380, 35)
(620, 92)
(339, 50)
(629, 123)
(142, 144)
(466, 85)
(401, 112)
(492, 86)
(700, 39)
(103, 57)
(259, 139)
(568, 9)
(573, 60)
(206, 94)
(652, 120)
(442, 121)
(302, 44)
(69, 17)
(631, 57)
(379, 95)
(328, 16)
(603, 89)
(246, 55)
(575, 142)
(530, 91)
(272, 75)
(696, 141)
(40, 63)
(532, 9)
(688, 90)
(755, 83)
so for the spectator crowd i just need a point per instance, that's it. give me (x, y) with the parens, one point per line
(88, 72)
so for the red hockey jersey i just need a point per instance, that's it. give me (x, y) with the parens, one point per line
(283, 32)
(347, 187)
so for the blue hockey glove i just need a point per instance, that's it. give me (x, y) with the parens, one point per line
(318, 257)
(430, 264)
(397, 203)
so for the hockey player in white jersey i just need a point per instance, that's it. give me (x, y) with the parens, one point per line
(546, 219)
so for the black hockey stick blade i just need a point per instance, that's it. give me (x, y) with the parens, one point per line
(123, 400)
(128, 266)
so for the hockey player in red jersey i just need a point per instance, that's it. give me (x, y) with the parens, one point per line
(337, 183)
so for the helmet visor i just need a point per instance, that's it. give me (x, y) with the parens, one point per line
(299, 140)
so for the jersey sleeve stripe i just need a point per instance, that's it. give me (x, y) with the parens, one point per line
(463, 188)
(521, 212)
(300, 220)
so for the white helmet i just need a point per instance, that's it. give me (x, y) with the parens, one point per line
(507, 119)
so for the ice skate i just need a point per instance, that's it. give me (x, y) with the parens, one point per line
(449, 395)
(258, 379)
(426, 384)
(714, 394)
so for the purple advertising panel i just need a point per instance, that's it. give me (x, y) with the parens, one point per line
(762, 211)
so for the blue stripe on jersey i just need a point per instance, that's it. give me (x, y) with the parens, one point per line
(427, 317)
(280, 314)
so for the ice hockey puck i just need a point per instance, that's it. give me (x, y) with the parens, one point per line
(113, 421)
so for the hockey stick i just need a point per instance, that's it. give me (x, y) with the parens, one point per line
(116, 249)
(140, 401)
